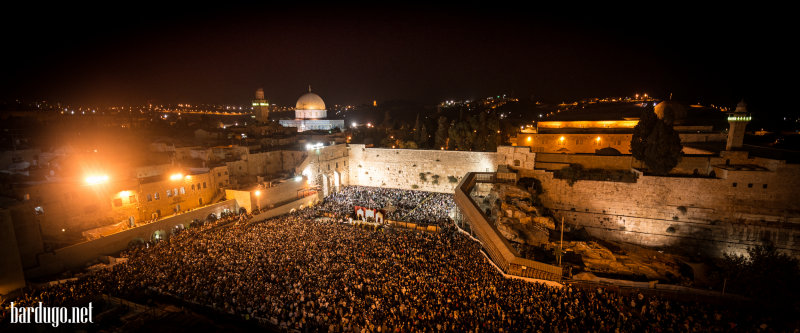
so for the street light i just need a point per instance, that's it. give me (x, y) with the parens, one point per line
(258, 199)
(96, 179)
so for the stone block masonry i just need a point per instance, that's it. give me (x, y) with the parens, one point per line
(412, 169)
(707, 215)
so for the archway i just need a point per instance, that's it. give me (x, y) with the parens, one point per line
(177, 229)
(336, 181)
(158, 235)
(325, 185)
(211, 217)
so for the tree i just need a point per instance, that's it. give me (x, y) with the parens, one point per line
(764, 274)
(641, 131)
(442, 132)
(655, 142)
(423, 137)
(663, 150)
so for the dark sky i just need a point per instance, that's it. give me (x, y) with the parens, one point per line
(354, 53)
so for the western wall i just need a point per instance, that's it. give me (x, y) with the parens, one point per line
(744, 202)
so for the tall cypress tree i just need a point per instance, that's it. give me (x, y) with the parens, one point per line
(663, 150)
(655, 142)
(642, 131)
(442, 132)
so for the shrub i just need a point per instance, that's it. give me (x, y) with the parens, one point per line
(415, 186)
(422, 177)
(682, 209)
(452, 179)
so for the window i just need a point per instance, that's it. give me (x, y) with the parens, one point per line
(220, 184)
(226, 173)
(337, 165)
(174, 191)
(204, 185)
(117, 202)
(192, 187)
(764, 186)
(183, 190)
(200, 201)
(750, 185)
(734, 184)
(198, 186)
(516, 163)
(155, 196)
(149, 197)
(219, 174)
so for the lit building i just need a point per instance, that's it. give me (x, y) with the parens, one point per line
(609, 132)
(738, 122)
(261, 106)
(310, 114)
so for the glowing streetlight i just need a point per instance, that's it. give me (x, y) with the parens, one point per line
(96, 179)
(176, 176)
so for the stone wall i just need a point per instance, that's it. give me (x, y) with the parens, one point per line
(573, 143)
(401, 168)
(77, 255)
(700, 214)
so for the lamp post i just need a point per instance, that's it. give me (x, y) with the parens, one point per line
(258, 199)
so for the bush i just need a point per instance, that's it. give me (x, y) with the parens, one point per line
(764, 274)
(422, 177)
(452, 179)
(682, 209)
(415, 186)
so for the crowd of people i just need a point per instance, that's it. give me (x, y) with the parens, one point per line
(306, 273)
(399, 205)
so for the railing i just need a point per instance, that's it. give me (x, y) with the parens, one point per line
(496, 246)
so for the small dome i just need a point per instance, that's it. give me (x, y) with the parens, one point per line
(674, 111)
(310, 101)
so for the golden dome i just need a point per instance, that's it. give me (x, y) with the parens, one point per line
(310, 101)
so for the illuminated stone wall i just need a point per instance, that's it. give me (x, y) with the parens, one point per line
(401, 168)
(695, 214)
(575, 143)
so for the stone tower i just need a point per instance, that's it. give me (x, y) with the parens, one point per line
(260, 106)
(738, 121)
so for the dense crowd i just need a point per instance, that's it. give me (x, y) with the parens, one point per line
(399, 205)
(301, 272)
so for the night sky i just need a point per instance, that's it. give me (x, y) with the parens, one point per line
(355, 53)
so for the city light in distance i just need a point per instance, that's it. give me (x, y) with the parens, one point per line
(96, 179)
